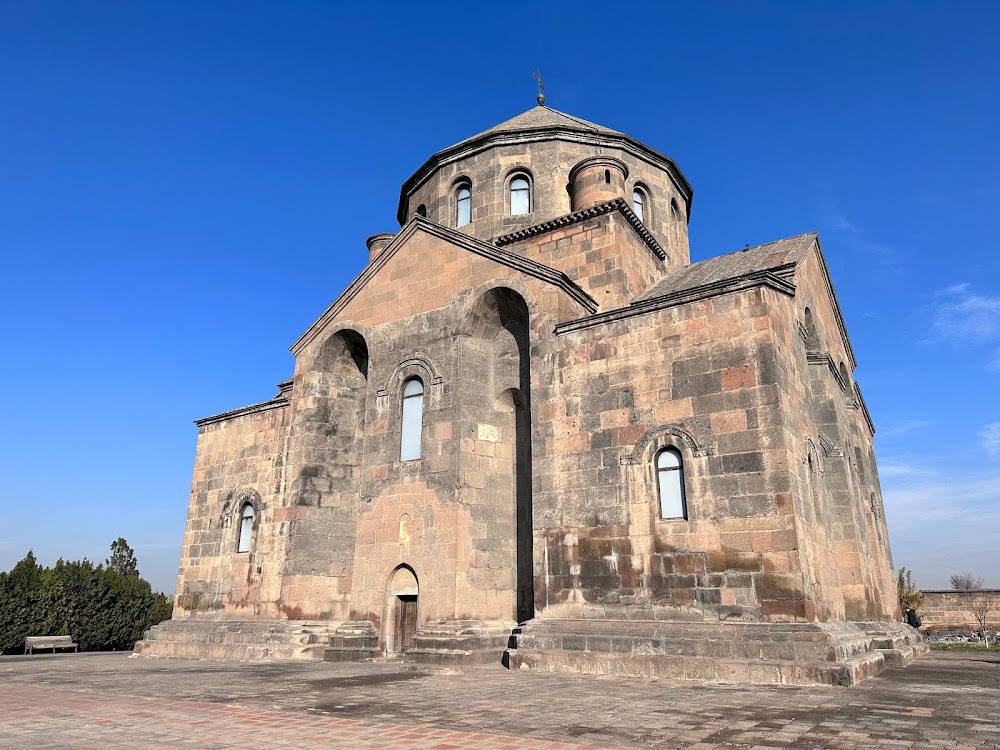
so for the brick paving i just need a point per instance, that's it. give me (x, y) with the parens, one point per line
(108, 701)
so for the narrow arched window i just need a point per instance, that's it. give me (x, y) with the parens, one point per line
(422, 210)
(670, 479)
(520, 196)
(463, 206)
(413, 417)
(246, 528)
(638, 203)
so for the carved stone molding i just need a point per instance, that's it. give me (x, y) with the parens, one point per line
(418, 361)
(655, 434)
(829, 449)
(235, 503)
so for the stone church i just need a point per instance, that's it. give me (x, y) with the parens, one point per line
(532, 432)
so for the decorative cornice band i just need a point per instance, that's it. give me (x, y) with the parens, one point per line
(275, 403)
(836, 307)
(824, 358)
(863, 408)
(618, 204)
(775, 278)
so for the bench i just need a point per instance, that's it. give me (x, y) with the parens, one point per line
(49, 641)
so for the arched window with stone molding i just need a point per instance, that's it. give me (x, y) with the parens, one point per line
(640, 203)
(670, 483)
(412, 420)
(520, 195)
(246, 528)
(463, 204)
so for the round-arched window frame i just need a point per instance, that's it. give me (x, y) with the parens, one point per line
(412, 418)
(463, 204)
(520, 194)
(670, 484)
(246, 528)
(640, 203)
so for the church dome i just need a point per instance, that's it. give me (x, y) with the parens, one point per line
(525, 170)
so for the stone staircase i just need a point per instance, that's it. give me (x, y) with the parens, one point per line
(238, 640)
(899, 644)
(353, 641)
(460, 642)
(842, 653)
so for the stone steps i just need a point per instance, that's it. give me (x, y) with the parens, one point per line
(738, 671)
(237, 640)
(756, 653)
(460, 642)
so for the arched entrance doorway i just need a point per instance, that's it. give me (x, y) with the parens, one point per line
(401, 610)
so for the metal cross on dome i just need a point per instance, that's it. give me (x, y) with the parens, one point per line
(537, 75)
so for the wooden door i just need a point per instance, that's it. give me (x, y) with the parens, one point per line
(406, 621)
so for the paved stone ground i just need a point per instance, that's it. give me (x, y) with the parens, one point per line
(109, 701)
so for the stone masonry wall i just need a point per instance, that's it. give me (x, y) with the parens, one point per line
(699, 377)
(952, 610)
(603, 255)
(236, 459)
(844, 539)
(432, 313)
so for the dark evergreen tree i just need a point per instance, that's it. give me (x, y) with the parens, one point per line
(102, 608)
(122, 560)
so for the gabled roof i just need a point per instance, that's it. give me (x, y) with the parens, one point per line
(458, 239)
(772, 265)
(733, 265)
(541, 123)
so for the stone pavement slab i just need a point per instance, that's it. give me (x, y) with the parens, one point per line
(108, 701)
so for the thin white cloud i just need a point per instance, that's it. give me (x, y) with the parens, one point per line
(990, 437)
(940, 525)
(964, 316)
(859, 239)
(902, 429)
(924, 503)
(896, 470)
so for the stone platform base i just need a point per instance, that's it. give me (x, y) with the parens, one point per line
(841, 653)
(445, 643)
(239, 640)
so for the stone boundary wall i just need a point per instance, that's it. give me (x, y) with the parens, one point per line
(949, 610)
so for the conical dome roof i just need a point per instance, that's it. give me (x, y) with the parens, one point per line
(541, 118)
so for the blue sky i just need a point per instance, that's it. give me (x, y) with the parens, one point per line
(184, 187)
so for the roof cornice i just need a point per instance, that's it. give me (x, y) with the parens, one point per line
(491, 139)
(836, 305)
(278, 402)
(421, 224)
(618, 204)
(778, 278)
(863, 408)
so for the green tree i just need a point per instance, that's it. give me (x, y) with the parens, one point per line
(162, 609)
(122, 560)
(910, 597)
(102, 608)
(20, 591)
